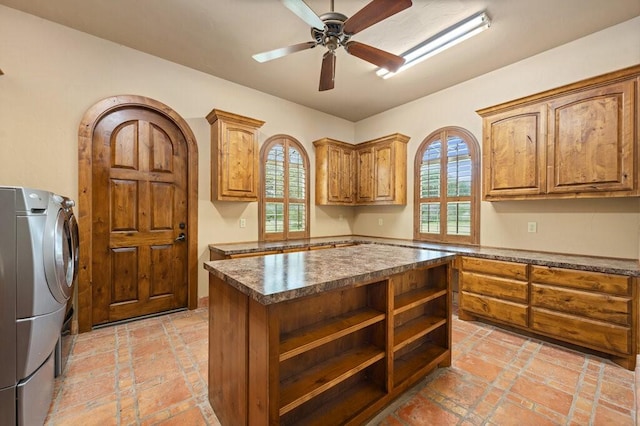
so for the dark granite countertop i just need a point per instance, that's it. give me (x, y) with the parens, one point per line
(629, 267)
(279, 277)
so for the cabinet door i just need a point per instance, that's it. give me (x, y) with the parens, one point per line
(365, 175)
(334, 190)
(346, 175)
(513, 153)
(591, 140)
(238, 157)
(384, 184)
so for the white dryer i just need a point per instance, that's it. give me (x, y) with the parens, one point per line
(38, 265)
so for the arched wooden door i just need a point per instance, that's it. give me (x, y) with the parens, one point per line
(140, 223)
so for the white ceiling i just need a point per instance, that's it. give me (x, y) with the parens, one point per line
(219, 36)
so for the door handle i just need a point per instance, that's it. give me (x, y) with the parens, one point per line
(181, 237)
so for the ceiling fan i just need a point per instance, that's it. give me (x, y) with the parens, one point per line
(333, 30)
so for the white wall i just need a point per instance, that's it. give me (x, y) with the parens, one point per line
(601, 227)
(53, 74)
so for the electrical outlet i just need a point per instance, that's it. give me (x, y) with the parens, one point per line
(532, 227)
(380, 222)
(243, 222)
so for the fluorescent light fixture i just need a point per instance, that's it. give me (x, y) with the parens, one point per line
(450, 37)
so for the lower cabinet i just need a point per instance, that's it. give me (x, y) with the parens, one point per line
(495, 289)
(329, 359)
(590, 309)
(586, 308)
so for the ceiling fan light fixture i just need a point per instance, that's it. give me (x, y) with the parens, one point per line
(333, 30)
(445, 39)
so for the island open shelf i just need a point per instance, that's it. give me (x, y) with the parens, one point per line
(319, 344)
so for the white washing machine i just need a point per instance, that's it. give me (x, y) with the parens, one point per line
(38, 265)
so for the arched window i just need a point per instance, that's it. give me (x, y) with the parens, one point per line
(446, 197)
(284, 201)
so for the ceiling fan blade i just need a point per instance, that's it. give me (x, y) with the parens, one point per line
(328, 71)
(372, 13)
(375, 56)
(304, 12)
(283, 51)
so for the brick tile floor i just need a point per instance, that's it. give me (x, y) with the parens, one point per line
(154, 372)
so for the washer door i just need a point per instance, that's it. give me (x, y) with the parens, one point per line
(61, 253)
(74, 245)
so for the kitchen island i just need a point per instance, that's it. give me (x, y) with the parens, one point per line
(325, 337)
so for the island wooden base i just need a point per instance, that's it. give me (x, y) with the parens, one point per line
(334, 358)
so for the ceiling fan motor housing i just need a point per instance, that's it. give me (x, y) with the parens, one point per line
(332, 36)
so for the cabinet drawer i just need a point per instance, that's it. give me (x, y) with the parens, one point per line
(502, 288)
(590, 333)
(495, 267)
(592, 305)
(489, 307)
(595, 281)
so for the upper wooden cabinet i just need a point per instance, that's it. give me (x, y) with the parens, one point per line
(577, 141)
(234, 156)
(382, 170)
(372, 172)
(335, 172)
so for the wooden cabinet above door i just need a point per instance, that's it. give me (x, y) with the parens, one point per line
(234, 156)
(576, 141)
(372, 172)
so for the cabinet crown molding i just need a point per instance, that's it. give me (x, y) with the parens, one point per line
(217, 114)
(602, 79)
(395, 137)
(329, 141)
